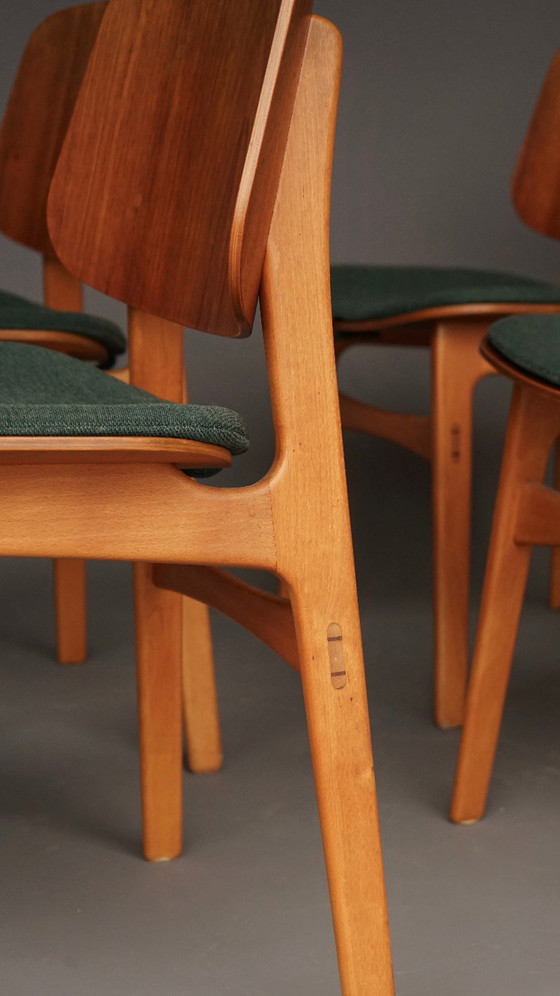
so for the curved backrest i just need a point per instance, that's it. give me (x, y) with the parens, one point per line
(36, 118)
(165, 187)
(536, 183)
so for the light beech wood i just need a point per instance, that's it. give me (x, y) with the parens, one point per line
(414, 328)
(267, 616)
(69, 583)
(295, 521)
(308, 495)
(445, 438)
(203, 733)
(159, 620)
(109, 252)
(456, 369)
(162, 371)
(537, 522)
(62, 291)
(411, 431)
(185, 453)
(533, 424)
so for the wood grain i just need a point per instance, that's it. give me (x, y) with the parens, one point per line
(111, 449)
(170, 172)
(535, 189)
(37, 116)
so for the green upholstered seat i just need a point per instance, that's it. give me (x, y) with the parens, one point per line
(531, 343)
(44, 393)
(362, 293)
(18, 313)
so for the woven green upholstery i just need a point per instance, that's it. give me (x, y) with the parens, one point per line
(44, 393)
(18, 313)
(531, 343)
(362, 293)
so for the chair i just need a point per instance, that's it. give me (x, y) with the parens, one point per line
(247, 111)
(34, 125)
(37, 116)
(449, 311)
(527, 350)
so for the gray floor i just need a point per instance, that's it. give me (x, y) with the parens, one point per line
(245, 910)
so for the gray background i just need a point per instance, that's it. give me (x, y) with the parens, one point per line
(434, 104)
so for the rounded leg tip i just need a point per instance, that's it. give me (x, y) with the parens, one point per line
(206, 767)
(464, 818)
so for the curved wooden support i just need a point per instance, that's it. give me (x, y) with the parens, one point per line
(538, 516)
(267, 616)
(411, 431)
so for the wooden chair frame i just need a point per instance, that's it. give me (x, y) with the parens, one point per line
(526, 512)
(444, 437)
(149, 513)
(454, 335)
(33, 129)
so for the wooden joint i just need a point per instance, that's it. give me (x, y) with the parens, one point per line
(413, 432)
(537, 520)
(267, 616)
(456, 442)
(336, 656)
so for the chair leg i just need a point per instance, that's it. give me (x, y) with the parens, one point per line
(158, 646)
(338, 723)
(526, 451)
(69, 579)
(457, 366)
(554, 590)
(200, 699)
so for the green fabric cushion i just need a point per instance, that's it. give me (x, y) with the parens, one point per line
(360, 293)
(531, 343)
(18, 313)
(44, 393)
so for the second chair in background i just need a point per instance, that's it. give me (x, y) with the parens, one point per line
(527, 514)
(33, 129)
(448, 311)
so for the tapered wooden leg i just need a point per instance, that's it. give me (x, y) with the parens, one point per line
(69, 580)
(527, 446)
(337, 718)
(554, 591)
(311, 525)
(200, 699)
(159, 650)
(63, 291)
(457, 366)
(164, 374)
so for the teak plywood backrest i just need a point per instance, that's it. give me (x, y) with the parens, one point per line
(37, 116)
(164, 190)
(536, 184)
